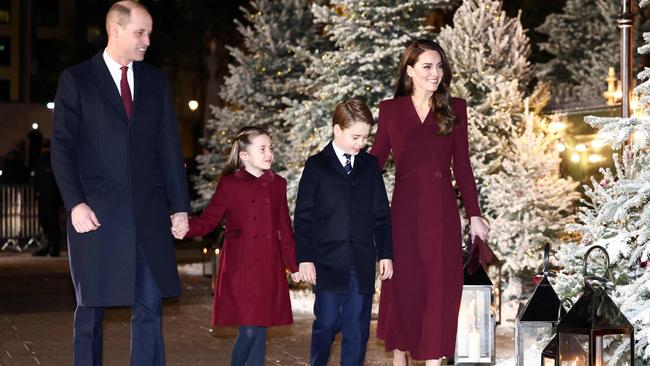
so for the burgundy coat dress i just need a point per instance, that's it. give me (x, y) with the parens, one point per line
(251, 286)
(418, 307)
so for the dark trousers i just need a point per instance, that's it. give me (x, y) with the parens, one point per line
(250, 346)
(147, 347)
(348, 313)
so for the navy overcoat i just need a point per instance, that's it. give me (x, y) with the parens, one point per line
(129, 171)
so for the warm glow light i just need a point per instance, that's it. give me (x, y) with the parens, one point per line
(35, 126)
(193, 104)
(216, 251)
(597, 143)
(581, 147)
(0, 172)
(50, 105)
(560, 147)
(575, 158)
(205, 251)
(618, 94)
(595, 158)
(556, 126)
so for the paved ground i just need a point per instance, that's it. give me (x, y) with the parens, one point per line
(37, 303)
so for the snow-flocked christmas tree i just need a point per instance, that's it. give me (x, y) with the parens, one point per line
(265, 70)
(616, 215)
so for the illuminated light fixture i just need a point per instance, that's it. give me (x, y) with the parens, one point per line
(35, 126)
(560, 147)
(575, 157)
(50, 105)
(597, 143)
(595, 158)
(556, 126)
(581, 147)
(193, 104)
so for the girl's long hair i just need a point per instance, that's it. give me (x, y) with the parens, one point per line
(240, 142)
(440, 99)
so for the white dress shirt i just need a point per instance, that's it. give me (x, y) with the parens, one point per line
(116, 72)
(339, 154)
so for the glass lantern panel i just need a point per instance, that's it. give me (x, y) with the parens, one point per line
(475, 336)
(613, 350)
(546, 361)
(532, 338)
(574, 349)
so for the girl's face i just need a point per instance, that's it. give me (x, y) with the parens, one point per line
(353, 138)
(258, 156)
(427, 72)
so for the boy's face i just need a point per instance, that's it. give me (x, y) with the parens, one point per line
(352, 139)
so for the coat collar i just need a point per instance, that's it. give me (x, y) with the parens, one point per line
(105, 81)
(359, 160)
(244, 175)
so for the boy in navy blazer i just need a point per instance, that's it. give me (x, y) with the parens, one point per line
(342, 226)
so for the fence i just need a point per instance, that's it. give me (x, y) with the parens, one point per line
(19, 226)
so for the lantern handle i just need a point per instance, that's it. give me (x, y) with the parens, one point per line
(584, 266)
(547, 251)
(559, 310)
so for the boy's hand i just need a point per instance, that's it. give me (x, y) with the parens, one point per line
(308, 272)
(385, 269)
(295, 277)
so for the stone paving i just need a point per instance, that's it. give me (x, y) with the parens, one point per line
(37, 304)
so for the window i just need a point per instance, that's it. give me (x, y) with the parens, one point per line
(5, 11)
(5, 51)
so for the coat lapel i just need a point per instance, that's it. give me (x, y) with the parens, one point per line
(334, 161)
(107, 85)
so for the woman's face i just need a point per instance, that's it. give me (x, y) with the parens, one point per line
(427, 72)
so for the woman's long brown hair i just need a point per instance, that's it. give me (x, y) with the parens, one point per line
(440, 99)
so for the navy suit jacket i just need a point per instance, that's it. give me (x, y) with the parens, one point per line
(130, 173)
(342, 220)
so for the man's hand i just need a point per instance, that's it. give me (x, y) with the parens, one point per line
(385, 269)
(307, 272)
(295, 277)
(180, 225)
(84, 219)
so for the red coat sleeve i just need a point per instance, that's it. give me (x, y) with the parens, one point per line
(461, 163)
(211, 216)
(381, 146)
(287, 242)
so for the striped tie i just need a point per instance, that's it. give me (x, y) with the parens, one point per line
(348, 163)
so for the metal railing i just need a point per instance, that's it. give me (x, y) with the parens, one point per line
(19, 226)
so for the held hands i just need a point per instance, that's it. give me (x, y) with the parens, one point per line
(478, 227)
(180, 225)
(307, 272)
(295, 277)
(385, 269)
(84, 219)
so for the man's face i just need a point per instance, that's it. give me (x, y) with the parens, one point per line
(132, 40)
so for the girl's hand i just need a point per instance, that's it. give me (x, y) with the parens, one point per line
(295, 277)
(478, 227)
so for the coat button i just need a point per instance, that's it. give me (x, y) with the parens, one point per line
(438, 175)
(267, 200)
(252, 201)
(254, 236)
(268, 236)
(254, 218)
(264, 184)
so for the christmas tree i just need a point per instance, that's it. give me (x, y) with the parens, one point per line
(368, 36)
(616, 216)
(584, 42)
(264, 71)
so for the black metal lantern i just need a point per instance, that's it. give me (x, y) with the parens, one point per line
(595, 327)
(475, 340)
(536, 322)
(550, 356)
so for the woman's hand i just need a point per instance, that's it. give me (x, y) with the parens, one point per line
(478, 227)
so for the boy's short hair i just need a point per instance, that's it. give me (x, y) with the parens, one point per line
(350, 112)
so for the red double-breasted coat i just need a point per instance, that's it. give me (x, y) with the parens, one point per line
(251, 286)
(418, 307)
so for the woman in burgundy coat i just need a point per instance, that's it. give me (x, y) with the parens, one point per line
(251, 289)
(426, 130)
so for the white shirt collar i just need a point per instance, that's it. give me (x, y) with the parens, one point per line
(116, 72)
(339, 154)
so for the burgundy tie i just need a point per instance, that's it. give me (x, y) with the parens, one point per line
(126, 92)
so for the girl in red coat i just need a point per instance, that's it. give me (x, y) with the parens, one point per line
(251, 289)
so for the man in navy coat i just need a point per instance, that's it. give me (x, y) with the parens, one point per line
(117, 160)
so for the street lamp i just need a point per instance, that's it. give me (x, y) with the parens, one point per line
(535, 323)
(595, 327)
(193, 105)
